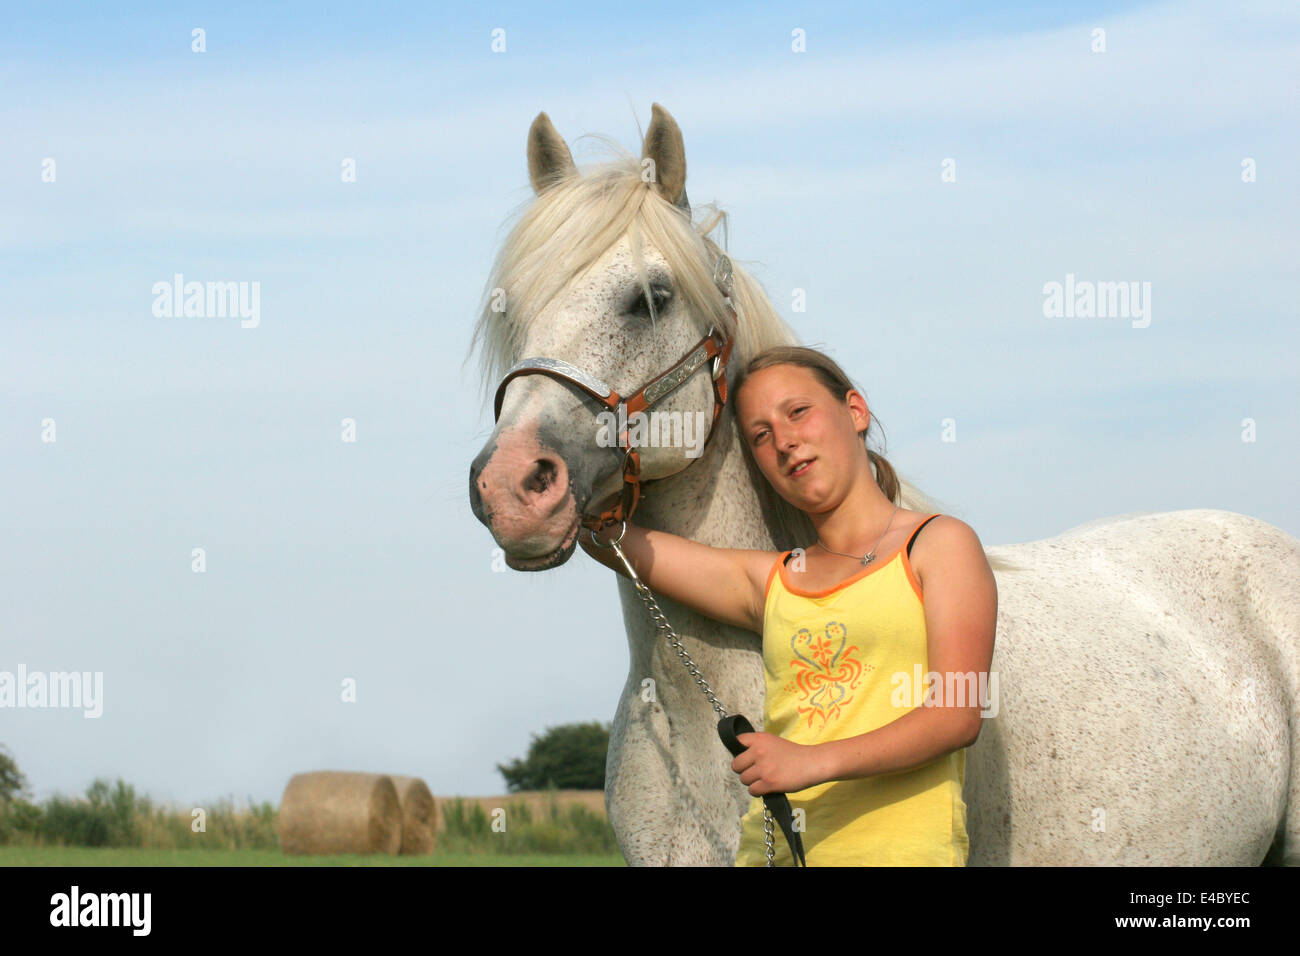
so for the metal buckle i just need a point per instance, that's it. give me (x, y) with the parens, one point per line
(723, 274)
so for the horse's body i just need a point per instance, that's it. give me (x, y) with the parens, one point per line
(1148, 670)
(1148, 667)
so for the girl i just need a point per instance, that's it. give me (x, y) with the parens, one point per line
(868, 745)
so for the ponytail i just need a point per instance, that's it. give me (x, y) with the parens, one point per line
(886, 477)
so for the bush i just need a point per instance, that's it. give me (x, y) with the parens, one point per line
(12, 782)
(106, 817)
(567, 757)
(20, 821)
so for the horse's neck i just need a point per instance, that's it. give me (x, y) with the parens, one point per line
(712, 500)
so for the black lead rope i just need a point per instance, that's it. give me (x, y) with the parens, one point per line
(778, 804)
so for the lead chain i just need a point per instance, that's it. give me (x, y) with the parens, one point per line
(661, 623)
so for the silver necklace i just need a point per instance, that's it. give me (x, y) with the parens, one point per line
(870, 555)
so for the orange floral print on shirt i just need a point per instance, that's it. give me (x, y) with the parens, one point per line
(825, 671)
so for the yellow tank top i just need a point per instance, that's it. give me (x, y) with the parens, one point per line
(829, 658)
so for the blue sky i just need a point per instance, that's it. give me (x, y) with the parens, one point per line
(329, 560)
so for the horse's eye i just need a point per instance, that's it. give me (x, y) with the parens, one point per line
(641, 305)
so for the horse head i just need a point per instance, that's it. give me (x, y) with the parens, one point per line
(606, 286)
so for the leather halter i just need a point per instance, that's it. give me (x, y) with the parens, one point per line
(713, 346)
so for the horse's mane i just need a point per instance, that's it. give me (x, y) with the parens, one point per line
(560, 233)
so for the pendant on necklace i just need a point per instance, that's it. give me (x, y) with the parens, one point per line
(867, 559)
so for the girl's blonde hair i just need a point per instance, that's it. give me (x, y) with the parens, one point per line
(829, 373)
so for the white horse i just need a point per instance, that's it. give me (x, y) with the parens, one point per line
(1148, 665)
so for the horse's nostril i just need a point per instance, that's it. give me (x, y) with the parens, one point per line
(543, 476)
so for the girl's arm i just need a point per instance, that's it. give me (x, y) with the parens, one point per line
(961, 609)
(725, 584)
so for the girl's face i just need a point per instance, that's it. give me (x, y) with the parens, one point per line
(787, 418)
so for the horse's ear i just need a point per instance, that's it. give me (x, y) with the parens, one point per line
(549, 159)
(664, 147)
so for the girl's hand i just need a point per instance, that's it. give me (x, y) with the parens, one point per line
(771, 764)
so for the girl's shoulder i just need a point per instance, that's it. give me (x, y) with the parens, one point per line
(944, 543)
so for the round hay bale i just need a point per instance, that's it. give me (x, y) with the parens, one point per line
(419, 815)
(333, 811)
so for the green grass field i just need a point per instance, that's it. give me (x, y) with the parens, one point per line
(84, 856)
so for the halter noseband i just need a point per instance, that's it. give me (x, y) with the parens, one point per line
(713, 346)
